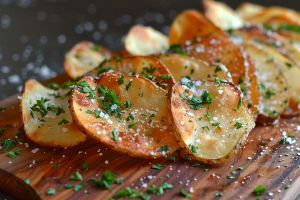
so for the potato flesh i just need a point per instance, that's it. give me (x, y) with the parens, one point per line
(198, 128)
(149, 109)
(84, 57)
(270, 39)
(182, 66)
(144, 41)
(222, 15)
(48, 131)
(145, 66)
(274, 93)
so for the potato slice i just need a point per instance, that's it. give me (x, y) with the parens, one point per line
(46, 117)
(146, 66)
(84, 57)
(189, 25)
(183, 66)
(132, 116)
(271, 39)
(275, 15)
(222, 15)
(216, 48)
(205, 41)
(292, 74)
(211, 119)
(274, 94)
(143, 41)
(247, 10)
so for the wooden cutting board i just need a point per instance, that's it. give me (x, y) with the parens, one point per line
(262, 161)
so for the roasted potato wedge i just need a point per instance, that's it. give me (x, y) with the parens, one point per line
(183, 66)
(84, 57)
(189, 25)
(222, 15)
(274, 94)
(144, 41)
(132, 116)
(46, 117)
(146, 66)
(211, 119)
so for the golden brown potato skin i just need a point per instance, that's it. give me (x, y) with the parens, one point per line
(197, 127)
(203, 40)
(146, 137)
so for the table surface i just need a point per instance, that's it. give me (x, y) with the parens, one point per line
(35, 34)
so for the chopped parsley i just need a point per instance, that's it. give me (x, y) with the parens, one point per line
(193, 148)
(239, 103)
(76, 177)
(282, 27)
(218, 69)
(121, 80)
(27, 181)
(115, 135)
(51, 192)
(128, 85)
(78, 187)
(107, 179)
(259, 190)
(157, 166)
(14, 153)
(185, 194)
(130, 193)
(176, 48)
(63, 121)
(131, 125)
(8, 144)
(163, 149)
(238, 125)
(158, 191)
(110, 101)
(118, 58)
(195, 102)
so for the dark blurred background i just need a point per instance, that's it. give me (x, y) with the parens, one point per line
(35, 34)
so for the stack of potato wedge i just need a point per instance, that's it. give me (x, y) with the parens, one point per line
(200, 90)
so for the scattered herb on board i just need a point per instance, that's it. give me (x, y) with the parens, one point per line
(259, 190)
(185, 194)
(158, 191)
(107, 179)
(130, 193)
(51, 192)
(157, 166)
(76, 177)
(78, 187)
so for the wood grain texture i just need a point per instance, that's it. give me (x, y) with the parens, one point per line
(273, 165)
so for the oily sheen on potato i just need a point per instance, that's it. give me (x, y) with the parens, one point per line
(181, 66)
(128, 113)
(46, 116)
(274, 90)
(201, 39)
(210, 117)
(84, 57)
(146, 66)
